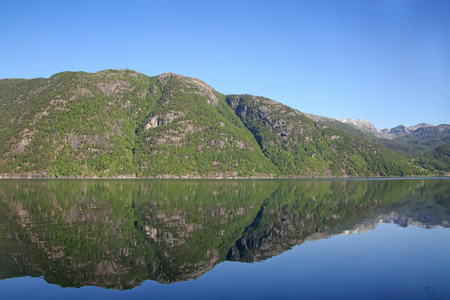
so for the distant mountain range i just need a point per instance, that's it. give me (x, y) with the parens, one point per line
(121, 123)
(420, 131)
(413, 141)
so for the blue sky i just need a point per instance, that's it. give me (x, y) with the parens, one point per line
(384, 61)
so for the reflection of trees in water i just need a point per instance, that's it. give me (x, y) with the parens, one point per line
(318, 210)
(117, 234)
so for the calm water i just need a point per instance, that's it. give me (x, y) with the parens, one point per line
(264, 239)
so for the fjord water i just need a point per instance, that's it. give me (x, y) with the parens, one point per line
(206, 239)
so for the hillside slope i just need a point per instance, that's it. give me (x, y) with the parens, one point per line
(301, 147)
(120, 123)
(437, 160)
(410, 141)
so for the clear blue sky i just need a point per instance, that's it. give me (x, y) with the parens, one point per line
(384, 61)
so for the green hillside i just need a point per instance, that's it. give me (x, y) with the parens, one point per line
(427, 138)
(438, 159)
(192, 131)
(120, 123)
(301, 147)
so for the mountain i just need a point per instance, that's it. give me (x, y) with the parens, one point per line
(299, 146)
(410, 141)
(121, 123)
(359, 128)
(402, 130)
(426, 137)
(365, 126)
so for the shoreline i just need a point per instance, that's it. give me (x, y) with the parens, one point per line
(184, 177)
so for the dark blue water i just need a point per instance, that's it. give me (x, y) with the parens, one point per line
(222, 240)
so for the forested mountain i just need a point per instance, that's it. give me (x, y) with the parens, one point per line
(413, 141)
(120, 123)
(425, 138)
(299, 146)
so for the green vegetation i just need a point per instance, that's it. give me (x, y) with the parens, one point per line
(120, 123)
(437, 160)
(73, 124)
(426, 139)
(300, 147)
(411, 141)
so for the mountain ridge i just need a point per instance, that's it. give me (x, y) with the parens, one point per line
(369, 127)
(413, 141)
(121, 123)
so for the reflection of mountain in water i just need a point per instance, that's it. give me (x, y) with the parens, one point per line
(302, 212)
(116, 234)
(407, 212)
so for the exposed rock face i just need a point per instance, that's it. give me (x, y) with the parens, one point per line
(397, 131)
(187, 84)
(163, 120)
(402, 130)
(79, 141)
(284, 122)
(419, 130)
(25, 141)
(421, 125)
(366, 127)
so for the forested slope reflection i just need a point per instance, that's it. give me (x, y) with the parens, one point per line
(116, 234)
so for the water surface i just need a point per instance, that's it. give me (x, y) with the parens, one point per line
(262, 239)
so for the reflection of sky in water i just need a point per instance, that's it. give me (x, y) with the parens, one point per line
(389, 262)
(344, 251)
